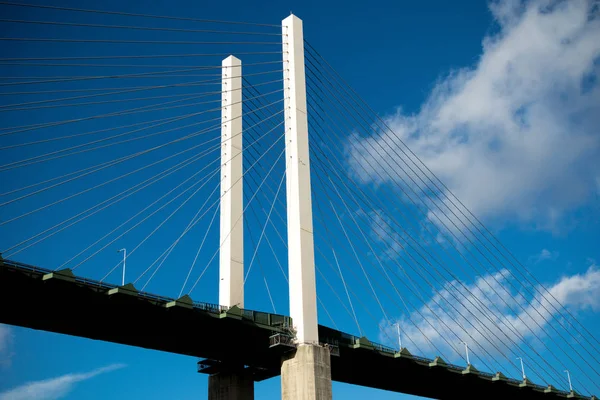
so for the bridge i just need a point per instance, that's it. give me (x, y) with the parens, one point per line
(401, 249)
(120, 314)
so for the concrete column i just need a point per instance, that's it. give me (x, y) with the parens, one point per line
(230, 386)
(306, 374)
(231, 256)
(301, 258)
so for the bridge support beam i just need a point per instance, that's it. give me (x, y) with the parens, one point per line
(231, 255)
(231, 386)
(306, 374)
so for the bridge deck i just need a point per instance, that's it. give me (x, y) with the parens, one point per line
(34, 298)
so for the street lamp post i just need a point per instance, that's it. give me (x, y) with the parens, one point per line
(522, 368)
(124, 258)
(397, 325)
(467, 352)
(569, 378)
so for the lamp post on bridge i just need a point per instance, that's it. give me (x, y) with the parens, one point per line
(569, 378)
(522, 368)
(397, 325)
(467, 352)
(124, 251)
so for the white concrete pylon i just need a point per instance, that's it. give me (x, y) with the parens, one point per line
(231, 255)
(303, 295)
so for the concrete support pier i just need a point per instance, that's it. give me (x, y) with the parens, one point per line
(306, 374)
(237, 385)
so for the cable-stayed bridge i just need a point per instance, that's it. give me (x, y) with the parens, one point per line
(115, 136)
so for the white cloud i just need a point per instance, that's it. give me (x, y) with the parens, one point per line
(544, 255)
(6, 339)
(581, 291)
(516, 136)
(513, 318)
(54, 388)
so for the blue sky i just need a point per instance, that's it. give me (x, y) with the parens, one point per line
(500, 100)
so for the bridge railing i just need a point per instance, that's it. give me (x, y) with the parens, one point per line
(422, 359)
(210, 307)
(155, 297)
(513, 380)
(24, 266)
(94, 283)
(384, 349)
(453, 367)
(535, 386)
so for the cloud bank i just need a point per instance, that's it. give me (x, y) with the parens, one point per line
(515, 317)
(54, 388)
(516, 136)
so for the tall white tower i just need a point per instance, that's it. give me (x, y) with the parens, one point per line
(231, 256)
(305, 373)
(301, 258)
